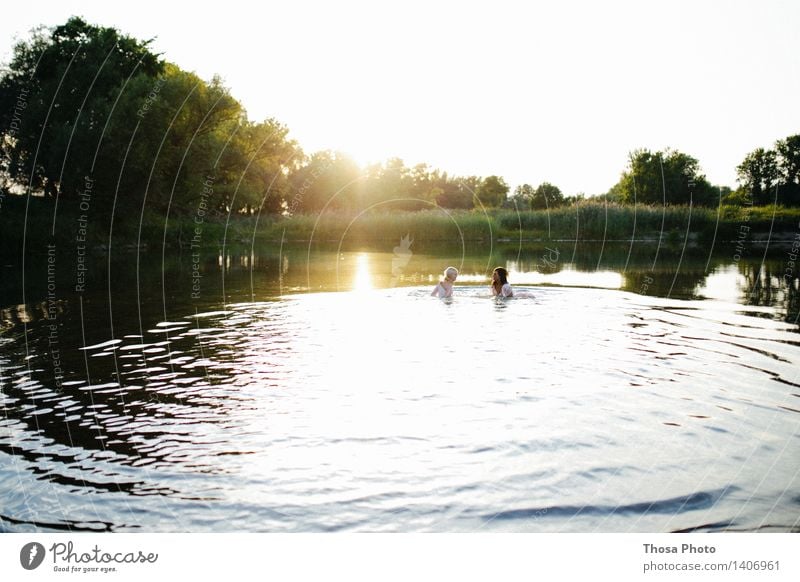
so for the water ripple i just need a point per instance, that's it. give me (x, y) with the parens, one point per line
(392, 411)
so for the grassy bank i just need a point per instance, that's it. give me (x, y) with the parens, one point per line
(618, 222)
(589, 221)
(585, 222)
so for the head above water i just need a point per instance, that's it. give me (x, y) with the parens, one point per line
(500, 274)
(451, 274)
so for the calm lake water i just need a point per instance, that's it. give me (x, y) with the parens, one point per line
(321, 389)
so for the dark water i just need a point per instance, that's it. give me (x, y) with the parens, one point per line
(306, 389)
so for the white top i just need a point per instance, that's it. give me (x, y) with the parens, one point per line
(441, 292)
(506, 291)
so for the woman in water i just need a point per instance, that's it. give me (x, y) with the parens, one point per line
(502, 288)
(445, 286)
(500, 285)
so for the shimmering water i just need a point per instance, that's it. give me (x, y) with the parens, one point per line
(383, 409)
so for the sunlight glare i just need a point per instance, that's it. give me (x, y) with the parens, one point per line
(362, 281)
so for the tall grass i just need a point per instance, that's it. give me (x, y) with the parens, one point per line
(422, 226)
(600, 221)
(586, 221)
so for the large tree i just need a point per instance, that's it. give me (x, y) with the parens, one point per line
(169, 135)
(789, 163)
(759, 175)
(523, 194)
(789, 159)
(456, 192)
(81, 100)
(327, 179)
(55, 97)
(492, 191)
(547, 195)
(771, 175)
(663, 177)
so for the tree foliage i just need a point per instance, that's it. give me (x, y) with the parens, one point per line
(332, 181)
(767, 176)
(98, 103)
(456, 192)
(327, 180)
(83, 101)
(545, 195)
(492, 191)
(80, 100)
(56, 96)
(663, 177)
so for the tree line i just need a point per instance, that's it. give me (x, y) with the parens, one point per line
(86, 104)
(80, 101)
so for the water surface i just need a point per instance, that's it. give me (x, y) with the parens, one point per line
(329, 392)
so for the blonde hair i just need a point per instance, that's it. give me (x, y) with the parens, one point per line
(450, 273)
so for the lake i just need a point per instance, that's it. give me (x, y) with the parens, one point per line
(317, 388)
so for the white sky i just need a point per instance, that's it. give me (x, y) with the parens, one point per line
(531, 91)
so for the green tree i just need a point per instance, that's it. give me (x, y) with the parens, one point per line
(170, 135)
(523, 194)
(547, 195)
(99, 103)
(327, 180)
(423, 190)
(492, 191)
(390, 183)
(770, 175)
(55, 97)
(455, 192)
(789, 159)
(664, 177)
(265, 155)
(789, 164)
(613, 195)
(759, 175)
(574, 200)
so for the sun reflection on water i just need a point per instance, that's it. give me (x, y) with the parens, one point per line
(362, 279)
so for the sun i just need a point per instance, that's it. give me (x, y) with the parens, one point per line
(362, 156)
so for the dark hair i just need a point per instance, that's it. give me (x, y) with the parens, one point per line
(502, 279)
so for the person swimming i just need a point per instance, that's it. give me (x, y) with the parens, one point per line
(500, 285)
(445, 287)
(502, 288)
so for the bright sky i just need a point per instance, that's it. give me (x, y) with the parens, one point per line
(532, 91)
